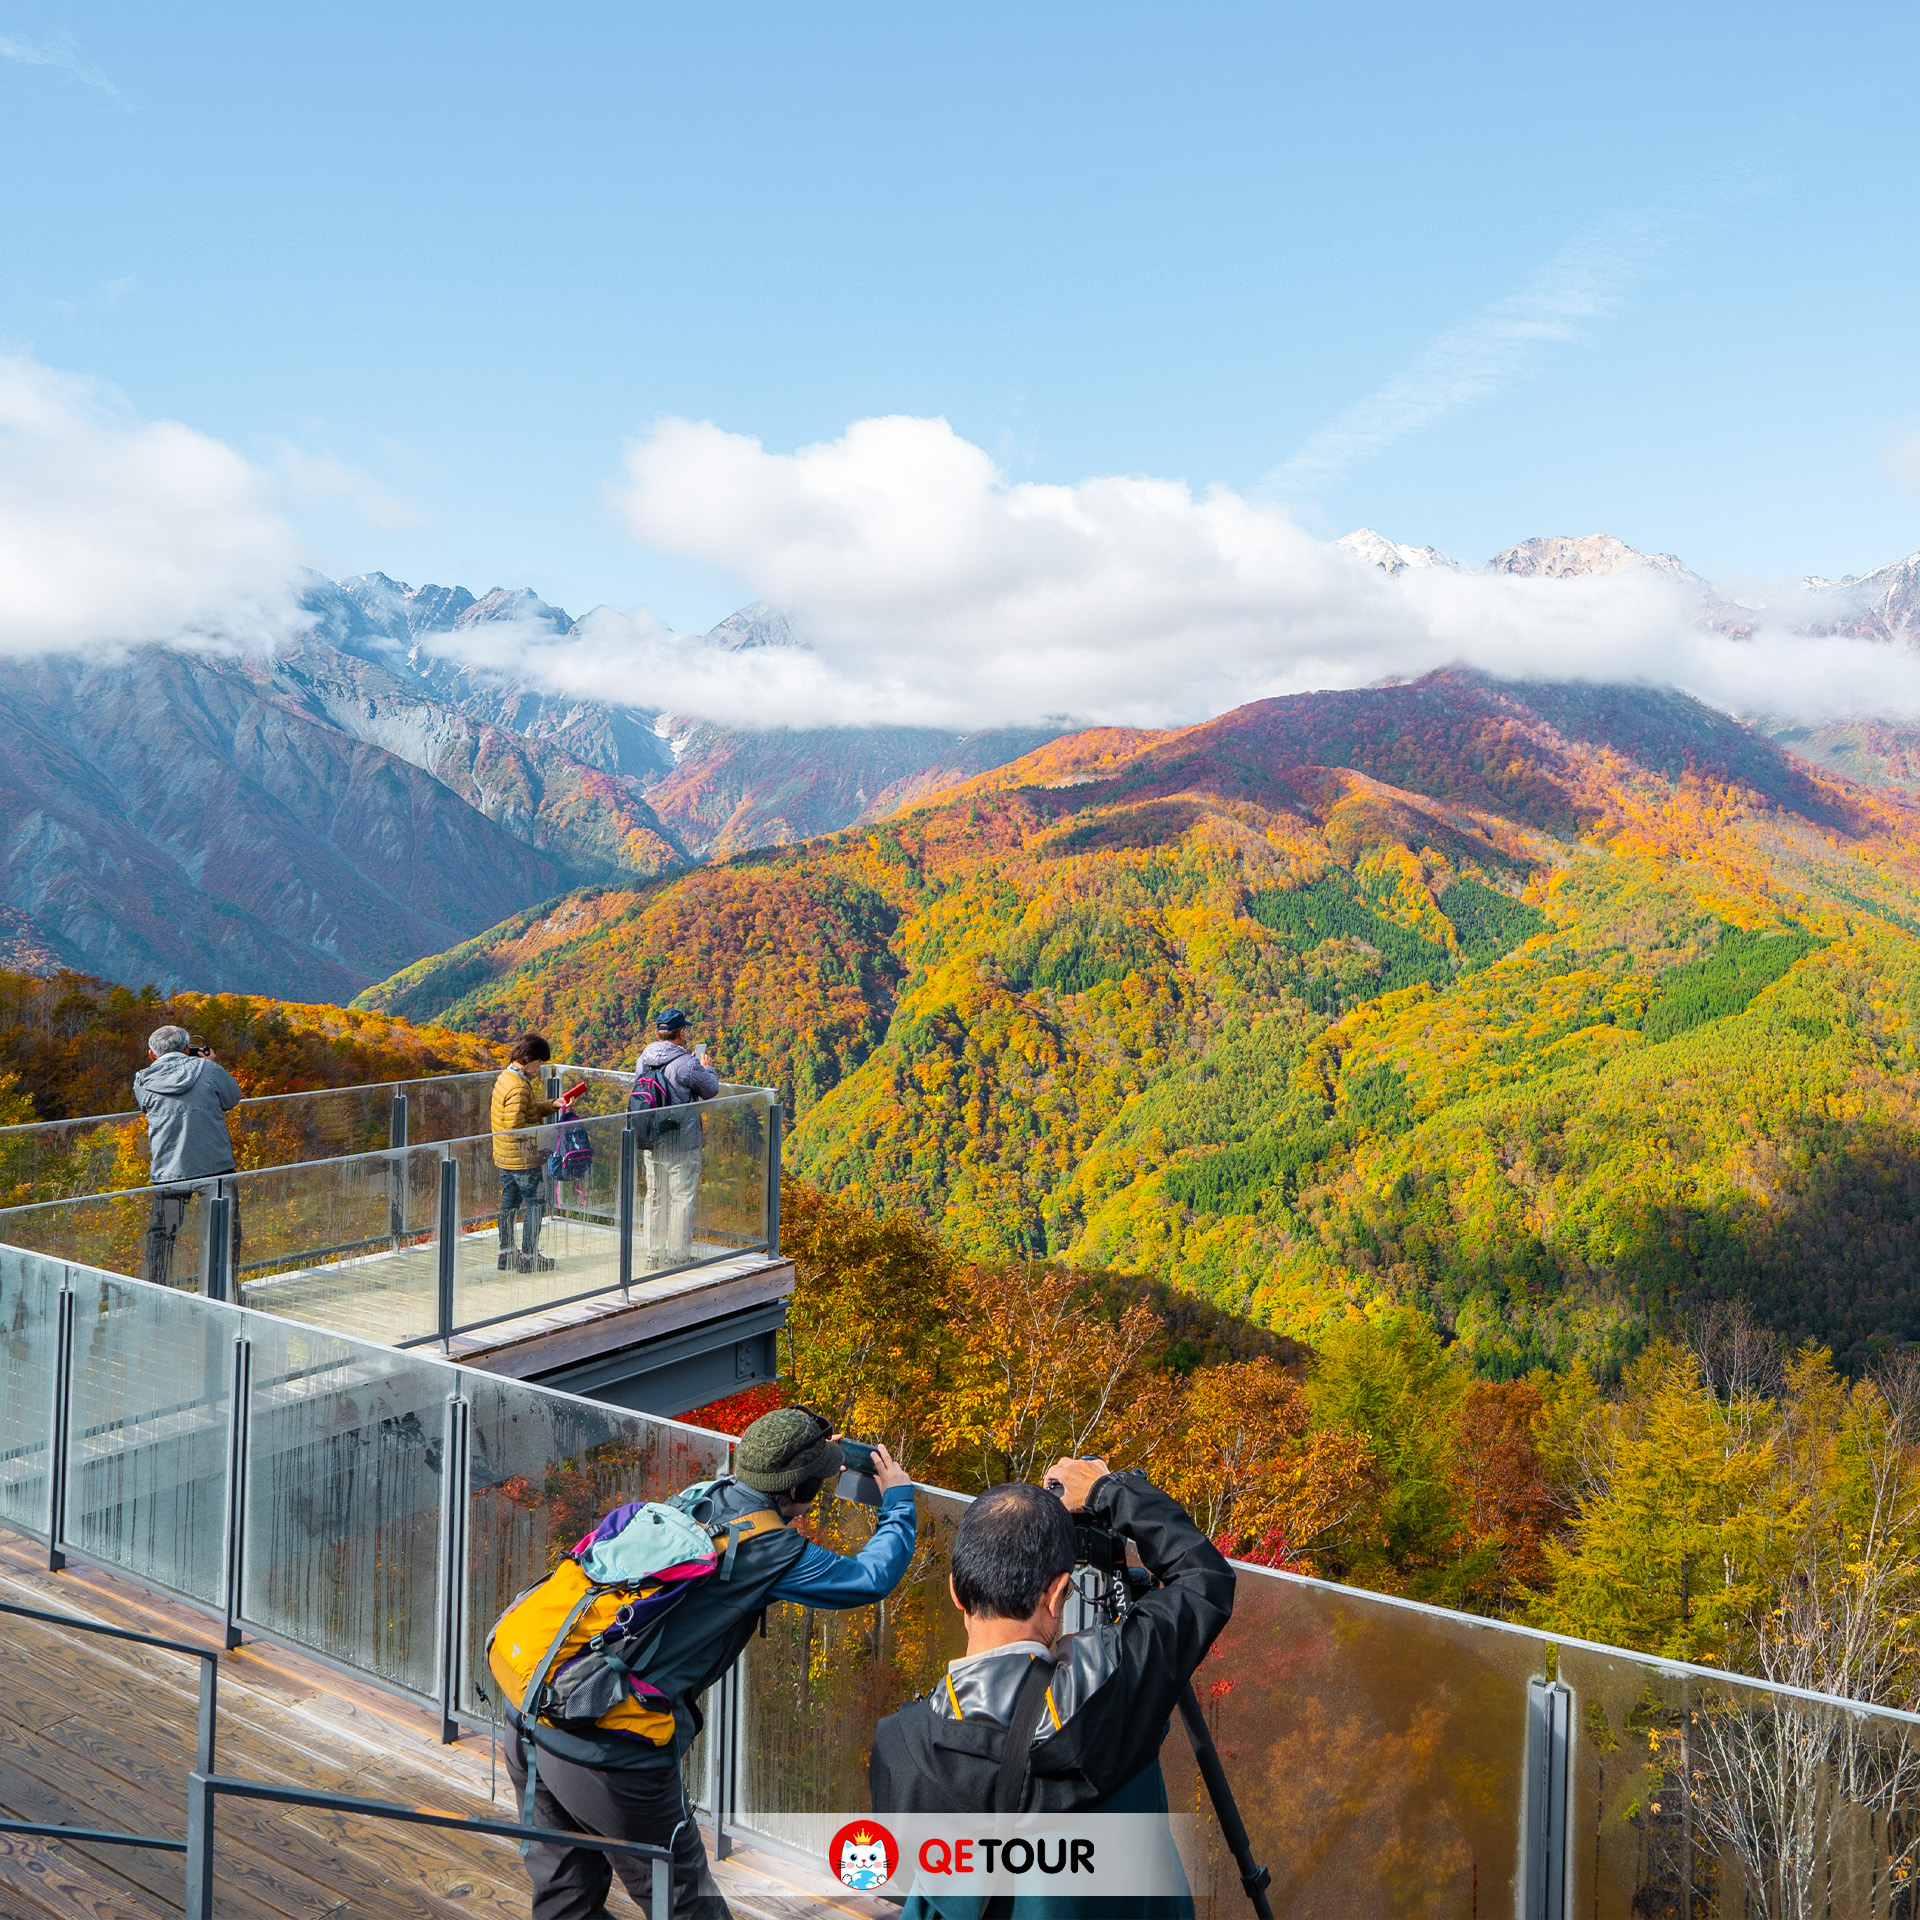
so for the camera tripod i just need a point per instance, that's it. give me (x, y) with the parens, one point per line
(1112, 1590)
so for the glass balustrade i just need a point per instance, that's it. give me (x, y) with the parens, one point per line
(347, 1468)
(29, 1346)
(148, 1432)
(1389, 1759)
(354, 1243)
(100, 1153)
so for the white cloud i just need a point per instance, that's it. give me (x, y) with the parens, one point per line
(117, 530)
(933, 591)
(62, 52)
(1475, 360)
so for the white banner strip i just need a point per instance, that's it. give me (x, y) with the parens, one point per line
(1088, 1856)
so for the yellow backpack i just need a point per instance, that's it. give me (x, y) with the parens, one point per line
(568, 1650)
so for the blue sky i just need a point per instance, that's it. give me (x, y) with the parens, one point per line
(1462, 274)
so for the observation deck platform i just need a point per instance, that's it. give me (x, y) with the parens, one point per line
(101, 1733)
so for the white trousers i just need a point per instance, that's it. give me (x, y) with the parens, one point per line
(673, 1183)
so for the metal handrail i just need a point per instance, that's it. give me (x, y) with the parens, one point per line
(205, 1788)
(766, 1095)
(203, 1740)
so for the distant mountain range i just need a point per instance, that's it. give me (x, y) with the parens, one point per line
(1556, 1010)
(302, 824)
(307, 823)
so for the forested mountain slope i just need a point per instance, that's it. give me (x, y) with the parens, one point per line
(1548, 1008)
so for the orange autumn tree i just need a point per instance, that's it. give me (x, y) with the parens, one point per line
(1237, 1447)
(1041, 1368)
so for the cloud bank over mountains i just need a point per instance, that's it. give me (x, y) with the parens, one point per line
(117, 530)
(922, 585)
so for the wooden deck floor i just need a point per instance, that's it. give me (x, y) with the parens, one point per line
(100, 1733)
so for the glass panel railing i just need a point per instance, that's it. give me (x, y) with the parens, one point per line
(346, 1460)
(343, 1244)
(1379, 1753)
(102, 1153)
(1388, 1758)
(62, 1159)
(147, 1233)
(1415, 1722)
(542, 1469)
(520, 1252)
(352, 1243)
(29, 1342)
(147, 1434)
(1694, 1790)
(813, 1689)
(730, 1211)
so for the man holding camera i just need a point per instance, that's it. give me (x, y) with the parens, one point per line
(1087, 1712)
(186, 1095)
(593, 1782)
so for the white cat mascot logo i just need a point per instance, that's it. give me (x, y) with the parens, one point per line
(864, 1855)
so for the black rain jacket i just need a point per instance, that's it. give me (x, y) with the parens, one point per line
(1111, 1698)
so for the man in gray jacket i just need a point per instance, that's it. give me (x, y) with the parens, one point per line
(186, 1096)
(680, 1077)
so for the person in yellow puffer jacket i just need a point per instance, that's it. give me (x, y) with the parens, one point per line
(518, 1154)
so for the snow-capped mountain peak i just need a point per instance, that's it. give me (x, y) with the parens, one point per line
(1389, 555)
(1565, 556)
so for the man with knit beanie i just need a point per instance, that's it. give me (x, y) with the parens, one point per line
(624, 1789)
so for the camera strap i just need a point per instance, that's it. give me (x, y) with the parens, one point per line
(1028, 1704)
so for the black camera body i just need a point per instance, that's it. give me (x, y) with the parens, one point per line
(1102, 1575)
(197, 1050)
(857, 1480)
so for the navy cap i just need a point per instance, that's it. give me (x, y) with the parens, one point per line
(670, 1017)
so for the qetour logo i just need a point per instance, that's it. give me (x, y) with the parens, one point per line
(863, 1855)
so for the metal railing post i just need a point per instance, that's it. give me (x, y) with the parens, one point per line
(726, 1762)
(453, 1565)
(623, 1210)
(397, 1171)
(204, 1732)
(449, 1243)
(62, 1420)
(233, 1551)
(1544, 1834)
(199, 1904)
(776, 1121)
(216, 1250)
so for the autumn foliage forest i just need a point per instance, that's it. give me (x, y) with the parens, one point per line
(1380, 1114)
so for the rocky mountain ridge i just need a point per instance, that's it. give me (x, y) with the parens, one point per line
(304, 822)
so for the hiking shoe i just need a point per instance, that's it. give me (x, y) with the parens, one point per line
(505, 1261)
(535, 1263)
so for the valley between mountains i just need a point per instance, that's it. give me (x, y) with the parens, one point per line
(1555, 1011)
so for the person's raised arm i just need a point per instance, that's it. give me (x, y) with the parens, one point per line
(822, 1579)
(1167, 1630)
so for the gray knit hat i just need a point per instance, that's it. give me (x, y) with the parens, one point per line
(784, 1448)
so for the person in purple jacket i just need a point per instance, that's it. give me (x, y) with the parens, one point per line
(671, 1144)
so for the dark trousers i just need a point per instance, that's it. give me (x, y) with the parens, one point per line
(522, 1191)
(639, 1803)
(167, 1216)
